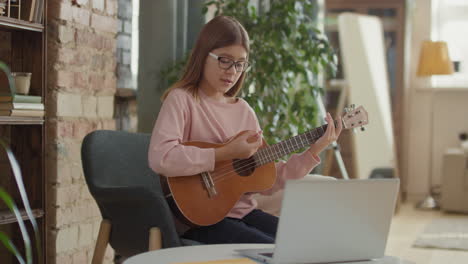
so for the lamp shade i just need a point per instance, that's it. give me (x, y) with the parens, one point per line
(434, 59)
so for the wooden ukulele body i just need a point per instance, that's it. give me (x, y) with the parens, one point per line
(190, 198)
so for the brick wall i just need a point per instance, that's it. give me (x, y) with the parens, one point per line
(81, 87)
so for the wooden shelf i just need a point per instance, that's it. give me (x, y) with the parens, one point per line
(24, 49)
(7, 217)
(21, 120)
(17, 24)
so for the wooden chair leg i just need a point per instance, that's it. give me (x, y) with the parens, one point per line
(102, 241)
(155, 240)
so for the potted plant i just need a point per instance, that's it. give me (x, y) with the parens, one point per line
(287, 54)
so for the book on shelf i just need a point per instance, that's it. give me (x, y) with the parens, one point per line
(22, 112)
(18, 98)
(26, 106)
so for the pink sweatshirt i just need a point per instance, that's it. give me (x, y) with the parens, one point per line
(182, 118)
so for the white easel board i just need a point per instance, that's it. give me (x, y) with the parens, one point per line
(365, 70)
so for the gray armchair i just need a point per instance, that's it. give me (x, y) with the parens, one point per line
(136, 217)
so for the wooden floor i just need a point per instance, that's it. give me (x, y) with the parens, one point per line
(406, 226)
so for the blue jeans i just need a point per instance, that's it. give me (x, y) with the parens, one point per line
(255, 227)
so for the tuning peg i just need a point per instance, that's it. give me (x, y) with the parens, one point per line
(363, 128)
(353, 106)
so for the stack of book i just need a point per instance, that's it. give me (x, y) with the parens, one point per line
(21, 105)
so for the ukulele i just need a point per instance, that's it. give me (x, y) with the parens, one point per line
(206, 198)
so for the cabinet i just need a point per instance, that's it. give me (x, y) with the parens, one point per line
(392, 15)
(23, 49)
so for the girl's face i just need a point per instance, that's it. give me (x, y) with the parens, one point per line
(223, 67)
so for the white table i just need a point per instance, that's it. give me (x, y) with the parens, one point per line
(217, 252)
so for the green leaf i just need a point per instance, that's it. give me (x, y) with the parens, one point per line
(11, 247)
(6, 198)
(11, 82)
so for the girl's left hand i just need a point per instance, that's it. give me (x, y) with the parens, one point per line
(330, 135)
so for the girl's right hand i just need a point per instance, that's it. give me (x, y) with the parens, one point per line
(241, 147)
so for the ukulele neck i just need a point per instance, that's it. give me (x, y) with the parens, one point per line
(283, 148)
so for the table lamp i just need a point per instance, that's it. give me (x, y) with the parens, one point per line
(433, 60)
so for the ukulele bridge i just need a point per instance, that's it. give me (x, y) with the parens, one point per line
(209, 184)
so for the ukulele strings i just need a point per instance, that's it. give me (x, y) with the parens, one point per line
(245, 166)
(246, 162)
(296, 145)
(243, 163)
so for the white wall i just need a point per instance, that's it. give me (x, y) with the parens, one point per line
(415, 168)
(450, 107)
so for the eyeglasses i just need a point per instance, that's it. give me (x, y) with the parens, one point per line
(226, 63)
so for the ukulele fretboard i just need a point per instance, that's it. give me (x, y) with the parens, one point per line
(278, 150)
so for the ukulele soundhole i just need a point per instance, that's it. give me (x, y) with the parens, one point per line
(244, 167)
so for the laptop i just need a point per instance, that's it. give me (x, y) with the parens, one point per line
(327, 221)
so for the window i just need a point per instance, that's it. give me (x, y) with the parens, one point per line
(450, 24)
(135, 38)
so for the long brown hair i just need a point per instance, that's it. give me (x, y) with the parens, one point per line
(221, 31)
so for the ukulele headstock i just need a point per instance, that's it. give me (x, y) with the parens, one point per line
(355, 117)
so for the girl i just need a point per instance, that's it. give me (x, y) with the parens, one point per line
(202, 106)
